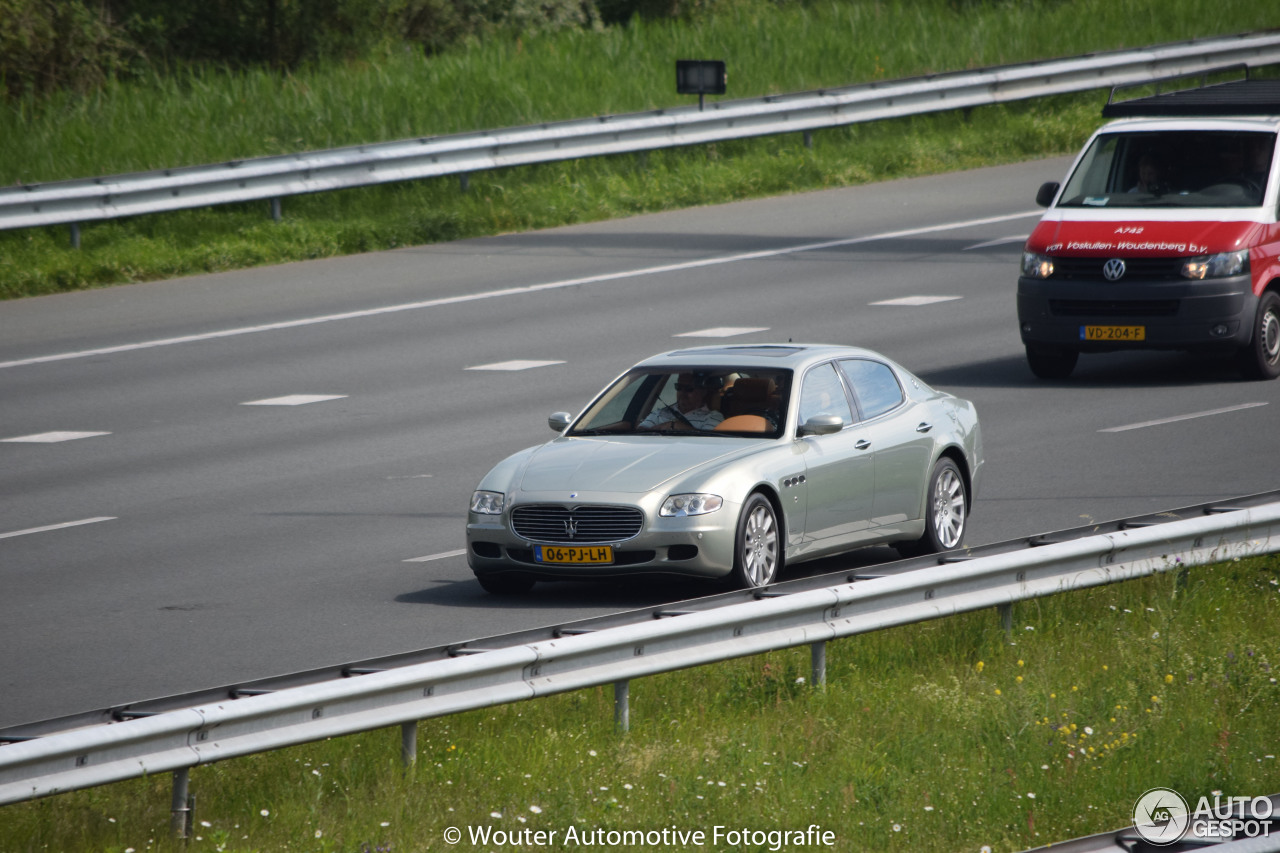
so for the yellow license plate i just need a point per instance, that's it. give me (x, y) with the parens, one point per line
(573, 554)
(1113, 333)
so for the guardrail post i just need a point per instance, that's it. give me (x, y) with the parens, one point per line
(276, 212)
(818, 656)
(1006, 616)
(180, 807)
(75, 235)
(622, 705)
(464, 181)
(409, 743)
(808, 139)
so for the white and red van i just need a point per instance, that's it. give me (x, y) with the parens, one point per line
(1164, 235)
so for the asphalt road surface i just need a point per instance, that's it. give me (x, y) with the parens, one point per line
(233, 476)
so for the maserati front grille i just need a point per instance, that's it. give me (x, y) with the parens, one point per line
(576, 525)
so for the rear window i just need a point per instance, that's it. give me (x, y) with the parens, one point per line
(1183, 168)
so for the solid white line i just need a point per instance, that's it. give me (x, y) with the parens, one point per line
(517, 291)
(443, 556)
(1000, 242)
(57, 526)
(1177, 418)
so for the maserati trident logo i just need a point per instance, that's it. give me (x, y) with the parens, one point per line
(1113, 270)
(570, 528)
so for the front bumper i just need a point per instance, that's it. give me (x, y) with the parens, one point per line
(1209, 314)
(693, 546)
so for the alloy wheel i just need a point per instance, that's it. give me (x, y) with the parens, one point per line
(948, 508)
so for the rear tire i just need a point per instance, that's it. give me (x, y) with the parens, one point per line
(946, 513)
(757, 552)
(1051, 362)
(1260, 359)
(505, 584)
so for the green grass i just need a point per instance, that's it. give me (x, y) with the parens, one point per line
(211, 116)
(944, 736)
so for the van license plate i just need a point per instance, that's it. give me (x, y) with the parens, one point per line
(1113, 333)
(574, 554)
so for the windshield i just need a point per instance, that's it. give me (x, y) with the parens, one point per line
(1183, 168)
(715, 400)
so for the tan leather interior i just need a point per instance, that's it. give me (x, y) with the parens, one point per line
(743, 423)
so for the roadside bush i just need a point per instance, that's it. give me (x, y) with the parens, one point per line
(47, 46)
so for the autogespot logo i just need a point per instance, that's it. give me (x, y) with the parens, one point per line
(1161, 816)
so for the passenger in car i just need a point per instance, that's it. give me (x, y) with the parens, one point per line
(690, 411)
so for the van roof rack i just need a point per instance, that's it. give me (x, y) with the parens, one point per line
(1244, 96)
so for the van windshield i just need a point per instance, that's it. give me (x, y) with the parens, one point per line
(1172, 168)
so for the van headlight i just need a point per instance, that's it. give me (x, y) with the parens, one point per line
(682, 505)
(1216, 266)
(1036, 266)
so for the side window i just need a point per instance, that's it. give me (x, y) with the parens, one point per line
(874, 385)
(822, 394)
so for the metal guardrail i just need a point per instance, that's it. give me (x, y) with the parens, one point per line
(91, 199)
(478, 677)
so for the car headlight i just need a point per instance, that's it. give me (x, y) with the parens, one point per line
(1217, 266)
(682, 505)
(1036, 266)
(488, 503)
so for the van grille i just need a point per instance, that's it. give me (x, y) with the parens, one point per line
(1136, 269)
(1113, 307)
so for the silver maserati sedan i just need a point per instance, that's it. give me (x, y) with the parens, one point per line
(731, 462)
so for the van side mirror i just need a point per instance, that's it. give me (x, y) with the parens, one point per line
(1047, 191)
(559, 421)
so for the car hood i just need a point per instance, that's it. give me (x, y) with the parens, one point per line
(626, 464)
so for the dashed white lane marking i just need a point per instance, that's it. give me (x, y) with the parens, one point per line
(722, 332)
(296, 400)
(1017, 238)
(52, 437)
(533, 288)
(1189, 417)
(62, 526)
(917, 300)
(518, 364)
(445, 555)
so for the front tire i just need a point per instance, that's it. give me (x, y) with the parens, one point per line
(946, 513)
(1051, 362)
(757, 552)
(1260, 359)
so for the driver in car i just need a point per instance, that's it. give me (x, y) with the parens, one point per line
(690, 410)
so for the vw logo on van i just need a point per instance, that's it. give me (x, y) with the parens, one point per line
(1113, 270)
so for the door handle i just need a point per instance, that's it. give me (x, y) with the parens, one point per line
(924, 426)
(862, 444)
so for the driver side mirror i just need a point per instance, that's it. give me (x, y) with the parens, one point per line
(821, 425)
(559, 421)
(1049, 189)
